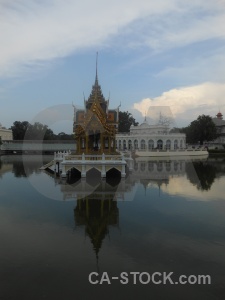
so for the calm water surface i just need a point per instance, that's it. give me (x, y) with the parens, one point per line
(167, 216)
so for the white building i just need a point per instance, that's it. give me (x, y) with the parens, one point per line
(148, 137)
(5, 134)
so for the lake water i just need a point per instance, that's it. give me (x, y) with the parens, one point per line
(167, 216)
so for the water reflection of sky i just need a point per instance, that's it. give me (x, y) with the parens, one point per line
(183, 187)
(45, 253)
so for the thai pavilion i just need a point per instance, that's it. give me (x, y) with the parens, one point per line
(96, 125)
(95, 129)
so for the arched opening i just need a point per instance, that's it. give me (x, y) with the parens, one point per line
(142, 144)
(135, 144)
(93, 177)
(181, 144)
(168, 144)
(120, 145)
(74, 175)
(160, 144)
(150, 166)
(135, 166)
(113, 177)
(168, 166)
(130, 145)
(150, 144)
(175, 144)
(142, 166)
(159, 166)
(124, 145)
(176, 166)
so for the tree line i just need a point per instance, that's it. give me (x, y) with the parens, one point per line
(200, 130)
(38, 131)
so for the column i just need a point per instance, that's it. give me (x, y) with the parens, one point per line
(63, 171)
(79, 142)
(83, 171)
(109, 144)
(87, 208)
(79, 204)
(86, 141)
(102, 142)
(172, 144)
(123, 173)
(102, 207)
(55, 161)
(103, 173)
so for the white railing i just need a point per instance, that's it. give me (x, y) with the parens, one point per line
(170, 150)
(61, 155)
(66, 155)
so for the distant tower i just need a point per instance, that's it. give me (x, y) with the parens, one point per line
(219, 116)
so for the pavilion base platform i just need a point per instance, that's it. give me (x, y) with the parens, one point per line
(64, 162)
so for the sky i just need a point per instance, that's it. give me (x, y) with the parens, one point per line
(168, 54)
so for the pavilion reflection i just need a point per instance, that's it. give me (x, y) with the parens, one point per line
(97, 199)
(97, 216)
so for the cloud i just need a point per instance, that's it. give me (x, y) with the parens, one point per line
(33, 32)
(204, 66)
(178, 25)
(187, 103)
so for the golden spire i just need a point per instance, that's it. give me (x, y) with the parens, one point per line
(96, 76)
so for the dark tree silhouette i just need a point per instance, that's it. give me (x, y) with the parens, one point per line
(201, 174)
(19, 129)
(125, 121)
(200, 130)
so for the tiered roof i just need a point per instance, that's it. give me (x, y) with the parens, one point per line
(96, 113)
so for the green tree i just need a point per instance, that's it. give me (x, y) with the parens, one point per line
(39, 131)
(64, 136)
(19, 129)
(125, 121)
(200, 130)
